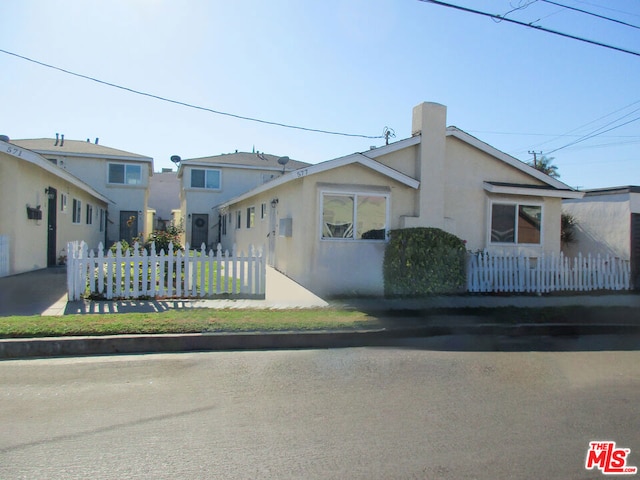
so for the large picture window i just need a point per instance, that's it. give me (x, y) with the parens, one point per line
(355, 216)
(125, 174)
(201, 178)
(515, 223)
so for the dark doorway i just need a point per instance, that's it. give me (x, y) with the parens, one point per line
(128, 225)
(635, 250)
(199, 230)
(52, 227)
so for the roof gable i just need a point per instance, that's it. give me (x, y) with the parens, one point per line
(356, 158)
(503, 157)
(262, 161)
(39, 161)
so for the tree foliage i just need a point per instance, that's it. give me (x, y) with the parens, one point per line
(544, 165)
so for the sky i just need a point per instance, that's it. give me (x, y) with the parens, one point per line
(351, 67)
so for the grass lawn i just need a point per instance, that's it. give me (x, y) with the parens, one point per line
(195, 320)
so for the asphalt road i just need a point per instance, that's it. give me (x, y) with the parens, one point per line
(439, 408)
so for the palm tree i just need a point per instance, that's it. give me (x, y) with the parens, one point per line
(544, 165)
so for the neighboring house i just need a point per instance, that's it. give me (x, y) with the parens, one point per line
(164, 199)
(206, 182)
(118, 175)
(607, 223)
(42, 207)
(326, 225)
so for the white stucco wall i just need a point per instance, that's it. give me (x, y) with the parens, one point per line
(603, 224)
(467, 204)
(22, 184)
(94, 171)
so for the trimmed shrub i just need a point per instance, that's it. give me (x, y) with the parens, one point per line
(424, 261)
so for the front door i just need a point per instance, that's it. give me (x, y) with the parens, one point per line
(199, 230)
(128, 225)
(52, 227)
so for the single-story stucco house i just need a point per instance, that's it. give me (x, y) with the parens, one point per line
(42, 207)
(326, 225)
(607, 223)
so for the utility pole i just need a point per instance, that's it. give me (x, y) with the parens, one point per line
(535, 157)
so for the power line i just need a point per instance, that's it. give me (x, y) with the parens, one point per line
(592, 14)
(536, 27)
(184, 104)
(594, 135)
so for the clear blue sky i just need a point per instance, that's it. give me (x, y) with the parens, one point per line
(348, 66)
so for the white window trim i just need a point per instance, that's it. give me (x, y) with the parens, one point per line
(263, 210)
(63, 203)
(517, 204)
(79, 210)
(355, 194)
(203, 189)
(125, 184)
(89, 214)
(249, 208)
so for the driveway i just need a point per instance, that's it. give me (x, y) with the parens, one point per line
(34, 293)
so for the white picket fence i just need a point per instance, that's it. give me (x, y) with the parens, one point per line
(547, 273)
(187, 274)
(4, 255)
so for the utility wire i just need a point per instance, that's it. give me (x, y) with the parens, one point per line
(593, 135)
(536, 27)
(184, 104)
(592, 14)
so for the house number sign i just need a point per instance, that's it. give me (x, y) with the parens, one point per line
(16, 152)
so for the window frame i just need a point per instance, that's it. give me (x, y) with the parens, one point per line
(63, 202)
(263, 210)
(206, 172)
(238, 219)
(76, 218)
(126, 166)
(355, 195)
(251, 216)
(89, 214)
(516, 205)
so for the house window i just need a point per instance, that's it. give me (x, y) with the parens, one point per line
(515, 223)
(125, 174)
(251, 217)
(102, 219)
(263, 211)
(63, 203)
(238, 219)
(223, 224)
(205, 179)
(77, 211)
(354, 216)
(89, 216)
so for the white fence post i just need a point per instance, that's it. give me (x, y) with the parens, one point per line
(4, 255)
(514, 273)
(135, 273)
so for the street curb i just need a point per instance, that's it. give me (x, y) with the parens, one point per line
(168, 343)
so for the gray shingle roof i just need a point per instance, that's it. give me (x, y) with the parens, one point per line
(77, 147)
(248, 159)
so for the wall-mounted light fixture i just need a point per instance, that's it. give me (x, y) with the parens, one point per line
(51, 194)
(274, 202)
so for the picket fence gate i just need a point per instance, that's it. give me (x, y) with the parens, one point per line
(547, 273)
(4, 255)
(137, 273)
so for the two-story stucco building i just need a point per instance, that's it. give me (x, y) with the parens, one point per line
(121, 176)
(209, 181)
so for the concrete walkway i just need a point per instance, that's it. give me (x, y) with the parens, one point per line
(44, 292)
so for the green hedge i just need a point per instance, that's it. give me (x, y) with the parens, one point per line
(424, 261)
